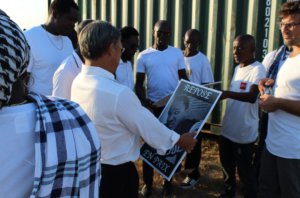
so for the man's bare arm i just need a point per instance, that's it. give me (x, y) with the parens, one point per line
(250, 96)
(270, 104)
(182, 75)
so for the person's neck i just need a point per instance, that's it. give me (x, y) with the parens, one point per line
(249, 62)
(295, 52)
(50, 27)
(78, 52)
(159, 48)
(102, 63)
(188, 53)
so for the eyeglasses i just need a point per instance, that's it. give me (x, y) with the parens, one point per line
(288, 25)
(165, 34)
(122, 48)
(191, 43)
(133, 46)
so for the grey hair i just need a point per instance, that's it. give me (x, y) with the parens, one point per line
(95, 38)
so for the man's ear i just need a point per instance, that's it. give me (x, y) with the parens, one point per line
(153, 32)
(55, 14)
(199, 43)
(253, 49)
(110, 49)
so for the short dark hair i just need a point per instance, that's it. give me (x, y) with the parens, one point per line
(184, 99)
(128, 31)
(95, 37)
(289, 8)
(62, 6)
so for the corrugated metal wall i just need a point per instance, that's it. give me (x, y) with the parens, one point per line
(219, 21)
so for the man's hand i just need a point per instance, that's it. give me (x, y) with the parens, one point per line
(149, 105)
(187, 142)
(269, 103)
(224, 95)
(261, 84)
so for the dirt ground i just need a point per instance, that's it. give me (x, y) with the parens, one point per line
(210, 184)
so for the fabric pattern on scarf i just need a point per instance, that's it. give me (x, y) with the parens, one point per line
(272, 73)
(14, 56)
(67, 150)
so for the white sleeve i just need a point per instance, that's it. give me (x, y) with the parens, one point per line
(181, 63)
(206, 76)
(259, 73)
(143, 123)
(267, 60)
(140, 66)
(62, 84)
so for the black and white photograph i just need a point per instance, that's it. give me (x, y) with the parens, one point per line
(186, 111)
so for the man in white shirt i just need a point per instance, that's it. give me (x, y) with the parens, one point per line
(272, 62)
(240, 122)
(164, 66)
(280, 169)
(130, 41)
(196, 64)
(199, 71)
(117, 113)
(68, 70)
(50, 45)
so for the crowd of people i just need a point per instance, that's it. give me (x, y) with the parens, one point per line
(62, 92)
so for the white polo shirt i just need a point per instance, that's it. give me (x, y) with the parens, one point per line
(198, 69)
(283, 138)
(240, 122)
(64, 76)
(124, 74)
(45, 57)
(119, 117)
(161, 68)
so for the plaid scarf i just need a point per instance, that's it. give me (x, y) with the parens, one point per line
(67, 150)
(272, 73)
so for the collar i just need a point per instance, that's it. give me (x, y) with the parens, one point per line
(78, 60)
(121, 61)
(97, 71)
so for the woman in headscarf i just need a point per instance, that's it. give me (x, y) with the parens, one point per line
(48, 146)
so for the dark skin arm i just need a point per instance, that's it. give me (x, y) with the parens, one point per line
(250, 96)
(182, 75)
(140, 92)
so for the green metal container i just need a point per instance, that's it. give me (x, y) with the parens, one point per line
(219, 21)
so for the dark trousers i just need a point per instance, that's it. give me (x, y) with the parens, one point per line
(234, 155)
(120, 181)
(279, 177)
(263, 129)
(193, 159)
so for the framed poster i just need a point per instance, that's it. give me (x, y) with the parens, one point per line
(186, 111)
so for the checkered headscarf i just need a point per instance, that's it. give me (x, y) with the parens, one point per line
(14, 56)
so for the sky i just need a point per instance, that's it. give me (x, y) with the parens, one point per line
(26, 13)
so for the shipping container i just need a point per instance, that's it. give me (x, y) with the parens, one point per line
(219, 21)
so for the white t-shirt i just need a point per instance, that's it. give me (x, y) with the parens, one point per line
(45, 57)
(124, 74)
(65, 74)
(283, 137)
(267, 60)
(198, 69)
(17, 146)
(240, 122)
(161, 68)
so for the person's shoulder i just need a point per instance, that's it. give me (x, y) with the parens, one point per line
(33, 32)
(67, 63)
(147, 51)
(174, 50)
(270, 55)
(258, 66)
